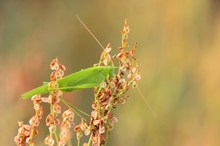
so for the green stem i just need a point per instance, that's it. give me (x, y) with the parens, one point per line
(99, 112)
(56, 137)
(90, 140)
(107, 134)
(51, 111)
(96, 97)
(51, 108)
(78, 143)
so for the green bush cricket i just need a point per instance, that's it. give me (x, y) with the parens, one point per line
(86, 78)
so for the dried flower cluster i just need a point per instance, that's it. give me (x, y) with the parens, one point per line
(107, 96)
(112, 91)
(26, 132)
(55, 109)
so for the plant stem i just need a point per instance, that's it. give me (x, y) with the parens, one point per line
(56, 137)
(99, 113)
(90, 140)
(107, 134)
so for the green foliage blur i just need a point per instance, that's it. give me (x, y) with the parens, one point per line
(178, 54)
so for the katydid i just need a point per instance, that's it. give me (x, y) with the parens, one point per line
(87, 78)
(142, 96)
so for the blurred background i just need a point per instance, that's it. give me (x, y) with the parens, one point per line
(178, 54)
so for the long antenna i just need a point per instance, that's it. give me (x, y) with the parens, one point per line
(147, 103)
(84, 25)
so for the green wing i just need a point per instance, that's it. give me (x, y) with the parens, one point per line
(87, 78)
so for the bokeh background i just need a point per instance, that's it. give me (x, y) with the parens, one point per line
(178, 54)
